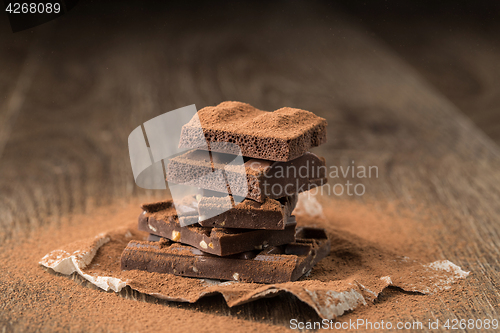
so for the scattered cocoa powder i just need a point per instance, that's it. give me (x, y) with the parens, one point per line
(364, 241)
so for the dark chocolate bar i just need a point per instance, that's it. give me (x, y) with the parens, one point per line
(218, 241)
(258, 178)
(275, 264)
(282, 135)
(248, 214)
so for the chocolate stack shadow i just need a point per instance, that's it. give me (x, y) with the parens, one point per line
(239, 225)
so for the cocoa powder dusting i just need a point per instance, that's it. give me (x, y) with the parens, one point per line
(285, 123)
(366, 244)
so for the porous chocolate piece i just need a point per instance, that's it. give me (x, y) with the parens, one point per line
(271, 214)
(261, 178)
(275, 264)
(218, 241)
(281, 135)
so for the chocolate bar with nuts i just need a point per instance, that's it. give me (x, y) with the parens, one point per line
(281, 135)
(257, 179)
(219, 241)
(248, 214)
(275, 264)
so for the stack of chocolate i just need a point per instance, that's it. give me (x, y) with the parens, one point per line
(240, 228)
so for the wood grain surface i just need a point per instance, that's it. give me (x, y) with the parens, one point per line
(71, 97)
(456, 53)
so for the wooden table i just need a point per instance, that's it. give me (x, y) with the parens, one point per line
(73, 89)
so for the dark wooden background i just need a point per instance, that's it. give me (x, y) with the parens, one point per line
(414, 91)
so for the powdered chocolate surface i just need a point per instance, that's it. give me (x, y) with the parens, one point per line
(367, 244)
(281, 135)
(31, 298)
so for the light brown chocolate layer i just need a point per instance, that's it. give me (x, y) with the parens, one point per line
(281, 135)
(257, 180)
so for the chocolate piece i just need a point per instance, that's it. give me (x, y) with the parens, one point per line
(271, 265)
(154, 238)
(187, 206)
(263, 178)
(249, 214)
(218, 241)
(282, 135)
